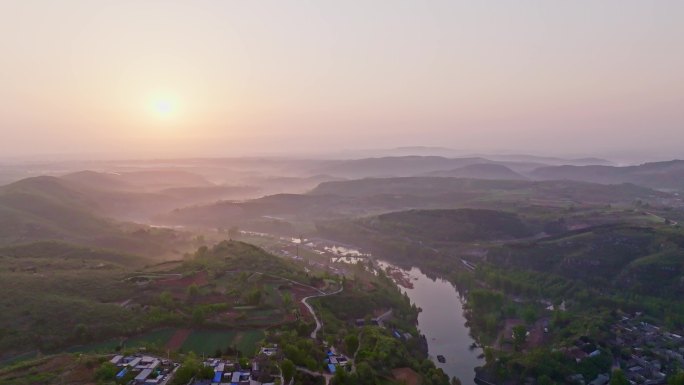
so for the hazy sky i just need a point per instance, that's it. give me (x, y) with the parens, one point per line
(222, 78)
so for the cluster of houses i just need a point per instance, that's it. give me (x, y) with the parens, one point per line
(335, 361)
(653, 351)
(144, 369)
(227, 372)
(648, 353)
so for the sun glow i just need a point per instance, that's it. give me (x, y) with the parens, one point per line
(164, 107)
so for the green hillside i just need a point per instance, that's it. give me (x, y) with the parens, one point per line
(644, 260)
(46, 208)
(462, 225)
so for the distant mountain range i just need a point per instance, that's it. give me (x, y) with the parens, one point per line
(362, 197)
(412, 166)
(663, 175)
(446, 152)
(480, 171)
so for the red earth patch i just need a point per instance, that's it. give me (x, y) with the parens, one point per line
(178, 338)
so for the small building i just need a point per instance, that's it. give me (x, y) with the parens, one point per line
(218, 376)
(134, 362)
(116, 360)
(122, 373)
(142, 376)
(342, 361)
(269, 351)
(331, 368)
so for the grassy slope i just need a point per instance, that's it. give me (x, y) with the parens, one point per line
(48, 208)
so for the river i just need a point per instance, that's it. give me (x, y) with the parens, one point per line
(443, 323)
(441, 320)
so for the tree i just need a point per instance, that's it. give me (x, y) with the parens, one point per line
(187, 371)
(366, 374)
(489, 355)
(352, 343)
(529, 314)
(677, 379)
(618, 378)
(106, 372)
(519, 336)
(287, 367)
(287, 300)
(455, 381)
(205, 372)
(166, 300)
(197, 316)
(193, 291)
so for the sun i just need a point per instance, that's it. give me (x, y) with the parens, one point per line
(164, 107)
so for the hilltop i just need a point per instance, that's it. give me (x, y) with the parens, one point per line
(358, 198)
(49, 208)
(480, 171)
(663, 175)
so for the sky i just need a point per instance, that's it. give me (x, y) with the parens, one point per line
(225, 78)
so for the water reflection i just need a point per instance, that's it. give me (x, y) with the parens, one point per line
(442, 322)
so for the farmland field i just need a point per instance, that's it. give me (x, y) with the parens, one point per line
(208, 341)
(157, 338)
(246, 341)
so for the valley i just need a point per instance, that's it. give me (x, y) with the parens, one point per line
(198, 271)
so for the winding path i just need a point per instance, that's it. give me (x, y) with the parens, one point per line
(326, 376)
(319, 324)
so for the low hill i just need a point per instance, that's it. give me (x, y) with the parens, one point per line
(664, 175)
(480, 171)
(49, 208)
(188, 195)
(356, 198)
(98, 180)
(67, 251)
(401, 166)
(147, 180)
(500, 190)
(643, 259)
(127, 196)
(459, 225)
(420, 237)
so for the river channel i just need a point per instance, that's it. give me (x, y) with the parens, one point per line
(442, 321)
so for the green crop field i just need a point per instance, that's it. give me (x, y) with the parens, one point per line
(208, 341)
(157, 338)
(246, 341)
(105, 346)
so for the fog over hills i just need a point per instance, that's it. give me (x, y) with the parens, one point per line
(664, 175)
(480, 171)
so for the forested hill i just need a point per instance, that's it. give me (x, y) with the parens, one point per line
(463, 225)
(502, 190)
(49, 208)
(665, 175)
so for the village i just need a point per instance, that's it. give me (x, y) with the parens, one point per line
(263, 369)
(648, 352)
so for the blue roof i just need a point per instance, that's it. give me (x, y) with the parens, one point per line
(218, 376)
(331, 368)
(122, 373)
